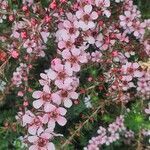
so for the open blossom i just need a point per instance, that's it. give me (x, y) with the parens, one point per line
(122, 37)
(86, 18)
(29, 45)
(131, 70)
(144, 84)
(87, 102)
(96, 56)
(68, 96)
(41, 141)
(34, 123)
(139, 29)
(103, 5)
(126, 19)
(68, 30)
(74, 57)
(104, 42)
(47, 77)
(45, 98)
(20, 75)
(63, 74)
(55, 114)
(107, 136)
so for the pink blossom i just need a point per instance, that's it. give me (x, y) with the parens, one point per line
(14, 54)
(34, 123)
(41, 141)
(45, 98)
(74, 57)
(103, 5)
(56, 114)
(126, 19)
(29, 45)
(96, 56)
(86, 18)
(67, 97)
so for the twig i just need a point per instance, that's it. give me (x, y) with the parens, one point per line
(3, 65)
(81, 126)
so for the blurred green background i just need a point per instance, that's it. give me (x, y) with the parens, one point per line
(144, 6)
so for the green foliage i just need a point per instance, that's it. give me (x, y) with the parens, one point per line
(135, 119)
(144, 6)
(18, 145)
(107, 118)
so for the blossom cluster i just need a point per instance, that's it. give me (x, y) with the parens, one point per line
(109, 135)
(75, 33)
(87, 26)
(4, 6)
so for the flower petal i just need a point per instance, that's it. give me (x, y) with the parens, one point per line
(32, 129)
(32, 139)
(50, 146)
(61, 120)
(88, 9)
(67, 103)
(37, 94)
(37, 103)
(48, 107)
(62, 111)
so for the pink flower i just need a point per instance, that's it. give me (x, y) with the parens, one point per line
(34, 123)
(63, 74)
(14, 54)
(67, 97)
(41, 141)
(126, 19)
(29, 45)
(139, 29)
(103, 5)
(71, 29)
(66, 44)
(86, 17)
(96, 56)
(47, 77)
(74, 57)
(67, 31)
(131, 70)
(45, 36)
(123, 37)
(55, 115)
(45, 98)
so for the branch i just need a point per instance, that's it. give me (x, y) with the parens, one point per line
(4, 64)
(81, 126)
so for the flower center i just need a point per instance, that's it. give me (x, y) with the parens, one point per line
(71, 30)
(64, 94)
(130, 70)
(46, 97)
(68, 44)
(86, 17)
(73, 59)
(54, 114)
(62, 75)
(42, 142)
